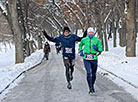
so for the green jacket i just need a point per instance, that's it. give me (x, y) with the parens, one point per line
(88, 46)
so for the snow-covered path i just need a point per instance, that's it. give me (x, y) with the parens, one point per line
(46, 83)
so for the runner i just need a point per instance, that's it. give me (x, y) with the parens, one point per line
(68, 51)
(92, 48)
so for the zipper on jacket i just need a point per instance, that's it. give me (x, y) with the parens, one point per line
(90, 45)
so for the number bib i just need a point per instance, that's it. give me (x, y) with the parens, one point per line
(89, 57)
(68, 50)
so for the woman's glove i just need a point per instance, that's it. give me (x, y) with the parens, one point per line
(81, 53)
(95, 48)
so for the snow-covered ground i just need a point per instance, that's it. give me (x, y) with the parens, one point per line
(112, 64)
(6, 51)
(10, 71)
(122, 70)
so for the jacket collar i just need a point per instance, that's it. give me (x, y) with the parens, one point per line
(68, 35)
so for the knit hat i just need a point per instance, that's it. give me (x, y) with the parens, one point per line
(66, 28)
(90, 29)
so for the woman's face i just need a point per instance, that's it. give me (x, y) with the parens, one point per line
(91, 33)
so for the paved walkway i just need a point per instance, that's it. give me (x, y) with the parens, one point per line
(46, 83)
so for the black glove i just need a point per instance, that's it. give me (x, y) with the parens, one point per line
(85, 33)
(99, 53)
(45, 33)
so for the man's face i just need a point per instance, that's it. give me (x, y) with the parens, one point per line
(66, 32)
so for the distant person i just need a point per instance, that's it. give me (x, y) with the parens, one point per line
(58, 47)
(68, 51)
(92, 48)
(46, 50)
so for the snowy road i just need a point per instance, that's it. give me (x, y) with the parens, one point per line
(46, 83)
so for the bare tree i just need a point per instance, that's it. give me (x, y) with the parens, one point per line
(53, 16)
(131, 32)
(12, 8)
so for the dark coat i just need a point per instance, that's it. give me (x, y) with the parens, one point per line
(68, 44)
(46, 48)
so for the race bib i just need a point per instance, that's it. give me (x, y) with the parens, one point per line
(89, 57)
(68, 50)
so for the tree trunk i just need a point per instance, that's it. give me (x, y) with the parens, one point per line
(100, 34)
(122, 34)
(27, 48)
(131, 36)
(99, 23)
(9, 19)
(114, 31)
(31, 46)
(105, 37)
(39, 39)
(26, 5)
(22, 25)
(12, 5)
(136, 13)
(114, 37)
(109, 30)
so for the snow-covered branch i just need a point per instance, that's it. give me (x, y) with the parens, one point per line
(6, 35)
(3, 7)
(107, 16)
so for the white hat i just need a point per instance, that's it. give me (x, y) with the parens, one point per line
(90, 29)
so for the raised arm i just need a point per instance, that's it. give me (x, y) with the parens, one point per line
(50, 38)
(79, 38)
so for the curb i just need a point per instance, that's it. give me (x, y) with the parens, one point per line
(118, 77)
(19, 76)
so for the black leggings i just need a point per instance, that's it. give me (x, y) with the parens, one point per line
(47, 55)
(69, 65)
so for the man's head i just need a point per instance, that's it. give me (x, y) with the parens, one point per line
(66, 31)
(90, 32)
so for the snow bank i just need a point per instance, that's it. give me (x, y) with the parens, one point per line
(9, 73)
(125, 68)
(7, 55)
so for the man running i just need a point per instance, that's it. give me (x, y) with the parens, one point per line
(68, 51)
(92, 48)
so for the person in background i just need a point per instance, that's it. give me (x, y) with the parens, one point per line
(46, 50)
(58, 47)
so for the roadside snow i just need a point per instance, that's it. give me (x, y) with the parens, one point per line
(125, 68)
(117, 63)
(12, 71)
(7, 51)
